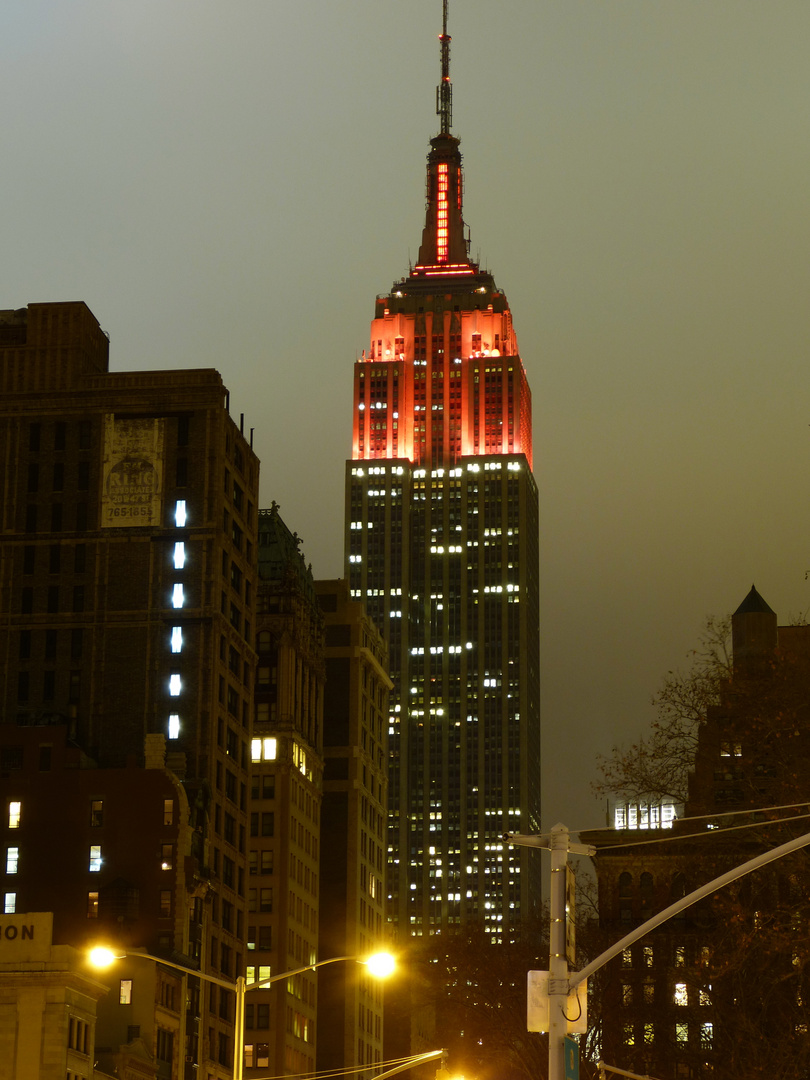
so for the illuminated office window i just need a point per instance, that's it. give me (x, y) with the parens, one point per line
(263, 749)
(178, 598)
(9, 903)
(180, 513)
(95, 858)
(179, 555)
(14, 811)
(12, 860)
(174, 685)
(177, 639)
(174, 726)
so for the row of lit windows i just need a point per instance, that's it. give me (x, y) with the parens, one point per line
(646, 1034)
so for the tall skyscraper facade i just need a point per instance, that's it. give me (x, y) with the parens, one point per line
(442, 544)
(127, 600)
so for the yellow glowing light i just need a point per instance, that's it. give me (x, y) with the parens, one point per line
(102, 957)
(380, 965)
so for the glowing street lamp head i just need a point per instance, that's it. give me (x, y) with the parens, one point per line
(102, 957)
(380, 965)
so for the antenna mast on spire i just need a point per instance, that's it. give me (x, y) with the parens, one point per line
(444, 91)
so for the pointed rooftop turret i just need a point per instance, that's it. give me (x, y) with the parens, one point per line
(754, 603)
(753, 629)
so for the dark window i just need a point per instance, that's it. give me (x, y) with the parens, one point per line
(56, 517)
(78, 597)
(23, 686)
(84, 434)
(48, 685)
(233, 709)
(76, 644)
(229, 831)
(24, 646)
(53, 599)
(230, 786)
(181, 477)
(55, 559)
(29, 555)
(50, 644)
(59, 429)
(58, 476)
(31, 518)
(27, 600)
(33, 477)
(79, 558)
(83, 478)
(265, 938)
(182, 430)
(164, 1045)
(33, 436)
(81, 517)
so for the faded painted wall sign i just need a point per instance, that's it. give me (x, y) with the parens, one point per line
(132, 491)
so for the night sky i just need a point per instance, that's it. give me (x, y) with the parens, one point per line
(229, 184)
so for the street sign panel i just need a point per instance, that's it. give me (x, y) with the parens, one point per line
(571, 1051)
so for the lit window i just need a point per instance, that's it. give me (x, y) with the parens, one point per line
(178, 599)
(263, 749)
(180, 513)
(166, 857)
(682, 1033)
(9, 903)
(681, 996)
(12, 859)
(168, 811)
(174, 726)
(177, 639)
(14, 810)
(92, 905)
(174, 685)
(95, 858)
(125, 992)
(179, 555)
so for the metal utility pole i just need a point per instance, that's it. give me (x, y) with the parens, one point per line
(561, 983)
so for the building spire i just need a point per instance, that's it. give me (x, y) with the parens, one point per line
(445, 247)
(444, 91)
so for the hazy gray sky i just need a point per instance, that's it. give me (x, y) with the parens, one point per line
(228, 184)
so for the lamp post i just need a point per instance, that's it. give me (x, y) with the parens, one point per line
(380, 965)
(561, 982)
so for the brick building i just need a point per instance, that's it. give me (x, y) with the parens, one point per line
(353, 857)
(719, 990)
(127, 594)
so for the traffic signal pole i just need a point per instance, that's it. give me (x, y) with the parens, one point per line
(557, 957)
(561, 982)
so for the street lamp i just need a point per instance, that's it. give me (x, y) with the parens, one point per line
(380, 965)
(561, 982)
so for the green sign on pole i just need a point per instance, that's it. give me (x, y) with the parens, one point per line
(571, 1052)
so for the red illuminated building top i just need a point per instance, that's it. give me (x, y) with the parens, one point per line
(442, 379)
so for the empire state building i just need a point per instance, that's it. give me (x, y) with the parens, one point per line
(442, 545)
